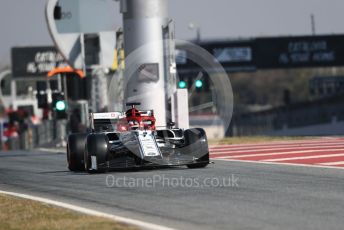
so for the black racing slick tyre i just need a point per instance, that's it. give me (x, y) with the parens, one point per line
(75, 151)
(96, 148)
(197, 142)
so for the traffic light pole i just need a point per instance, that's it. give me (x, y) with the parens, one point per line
(65, 90)
(59, 108)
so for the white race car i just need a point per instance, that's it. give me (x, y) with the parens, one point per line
(129, 140)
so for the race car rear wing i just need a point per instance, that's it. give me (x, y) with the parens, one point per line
(105, 117)
(112, 115)
(99, 119)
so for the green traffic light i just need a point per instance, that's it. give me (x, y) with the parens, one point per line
(182, 84)
(198, 84)
(60, 105)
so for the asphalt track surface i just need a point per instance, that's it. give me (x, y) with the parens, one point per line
(261, 196)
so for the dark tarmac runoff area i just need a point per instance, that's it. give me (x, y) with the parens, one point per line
(225, 195)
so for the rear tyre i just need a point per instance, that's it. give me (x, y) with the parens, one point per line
(75, 151)
(197, 142)
(96, 148)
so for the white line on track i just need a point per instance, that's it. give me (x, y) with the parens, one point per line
(276, 154)
(333, 163)
(279, 143)
(280, 163)
(286, 143)
(214, 152)
(306, 157)
(138, 223)
(275, 146)
(243, 146)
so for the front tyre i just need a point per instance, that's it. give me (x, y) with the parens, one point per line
(75, 151)
(96, 154)
(197, 143)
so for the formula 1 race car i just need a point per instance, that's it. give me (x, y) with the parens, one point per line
(120, 140)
